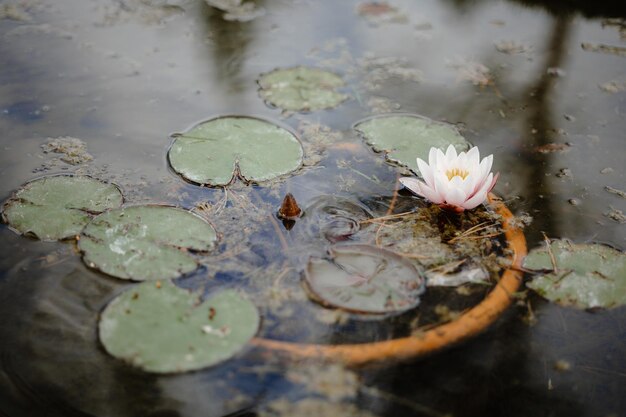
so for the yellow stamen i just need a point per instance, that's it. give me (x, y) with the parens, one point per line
(456, 172)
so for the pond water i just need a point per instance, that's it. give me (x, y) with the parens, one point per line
(541, 88)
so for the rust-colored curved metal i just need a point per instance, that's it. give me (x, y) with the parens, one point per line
(468, 324)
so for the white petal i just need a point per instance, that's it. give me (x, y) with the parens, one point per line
(485, 166)
(426, 172)
(440, 160)
(432, 156)
(441, 183)
(455, 197)
(450, 155)
(412, 184)
(461, 161)
(480, 196)
(473, 158)
(469, 185)
(493, 183)
(431, 194)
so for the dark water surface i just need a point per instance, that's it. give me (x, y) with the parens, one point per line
(122, 75)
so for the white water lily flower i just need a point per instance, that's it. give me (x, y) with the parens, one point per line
(455, 182)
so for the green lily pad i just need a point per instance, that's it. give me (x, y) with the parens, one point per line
(586, 275)
(145, 242)
(403, 138)
(301, 89)
(161, 328)
(216, 151)
(365, 279)
(58, 207)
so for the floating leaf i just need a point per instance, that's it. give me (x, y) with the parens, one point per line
(583, 275)
(58, 207)
(145, 242)
(216, 151)
(161, 328)
(364, 278)
(301, 89)
(404, 138)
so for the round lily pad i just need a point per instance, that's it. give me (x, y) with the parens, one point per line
(301, 89)
(58, 207)
(161, 328)
(403, 138)
(145, 242)
(579, 275)
(365, 279)
(216, 151)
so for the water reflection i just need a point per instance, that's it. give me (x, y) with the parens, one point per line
(193, 65)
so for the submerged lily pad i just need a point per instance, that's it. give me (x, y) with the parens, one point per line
(58, 207)
(161, 328)
(365, 279)
(579, 275)
(405, 137)
(145, 242)
(216, 151)
(301, 89)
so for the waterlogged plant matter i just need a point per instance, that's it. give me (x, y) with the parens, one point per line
(58, 207)
(301, 89)
(365, 279)
(579, 275)
(145, 242)
(216, 151)
(455, 182)
(161, 328)
(404, 137)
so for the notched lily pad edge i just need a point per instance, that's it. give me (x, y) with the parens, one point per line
(376, 149)
(218, 237)
(33, 236)
(352, 313)
(306, 111)
(199, 302)
(236, 173)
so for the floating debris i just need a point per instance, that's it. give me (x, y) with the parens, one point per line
(73, 150)
(512, 47)
(616, 215)
(607, 170)
(613, 87)
(574, 201)
(556, 72)
(377, 70)
(378, 13)
(474, 72)
(564, 173)
(553, 147)
(237, 10)
(607, 49)
(615, 191)
(17, 12)
(454, 275)
(618, 23)
(333, 381)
